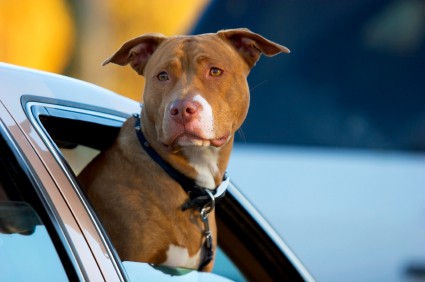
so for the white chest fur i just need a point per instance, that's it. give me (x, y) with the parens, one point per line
(179, 257)
(205, 161)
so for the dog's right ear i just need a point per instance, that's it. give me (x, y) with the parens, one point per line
(251, 45)
(137, 51)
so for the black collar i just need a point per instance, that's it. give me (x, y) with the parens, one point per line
(199, 196)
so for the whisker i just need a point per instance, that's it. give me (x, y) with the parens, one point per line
(241, 135)
(258, 85)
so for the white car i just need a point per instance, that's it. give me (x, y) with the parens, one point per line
(51, 126)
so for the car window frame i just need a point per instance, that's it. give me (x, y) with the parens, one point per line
(56, 229)
(36, 106)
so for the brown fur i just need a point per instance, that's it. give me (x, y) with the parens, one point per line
(138, 203)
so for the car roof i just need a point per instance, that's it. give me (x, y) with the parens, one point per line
(18, 81)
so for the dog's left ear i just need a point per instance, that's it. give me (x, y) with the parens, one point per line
(136, 52)
(250, 45)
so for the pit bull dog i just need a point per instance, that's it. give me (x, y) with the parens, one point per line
(154, 189)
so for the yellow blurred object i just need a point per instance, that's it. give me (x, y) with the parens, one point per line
(41, 35)
(164, 16)
(109, 24)
(36, 34)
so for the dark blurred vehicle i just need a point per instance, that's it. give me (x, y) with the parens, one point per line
(333, 147)
(354, 77)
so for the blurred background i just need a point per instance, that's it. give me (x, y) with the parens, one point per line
(357, 64)
(74, 37)
(332, 151)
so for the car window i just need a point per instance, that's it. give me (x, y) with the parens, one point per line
(30, 248)
(88, 133)
(26, 245)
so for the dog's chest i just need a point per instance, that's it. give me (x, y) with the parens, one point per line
(205, 163)
(179, 257)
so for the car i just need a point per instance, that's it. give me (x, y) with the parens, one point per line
(51, 126)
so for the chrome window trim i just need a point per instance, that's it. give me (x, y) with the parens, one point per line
(29, 105)
(33, 116)
(44, 197)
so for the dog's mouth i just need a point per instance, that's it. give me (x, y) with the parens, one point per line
(190, 139)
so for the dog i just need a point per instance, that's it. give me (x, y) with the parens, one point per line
(154, 189)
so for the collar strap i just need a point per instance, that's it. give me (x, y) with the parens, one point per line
(199, 196)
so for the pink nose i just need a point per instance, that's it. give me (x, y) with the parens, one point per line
(184, 110)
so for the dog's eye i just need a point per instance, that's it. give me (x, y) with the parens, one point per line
(162, 76)
(215, 71)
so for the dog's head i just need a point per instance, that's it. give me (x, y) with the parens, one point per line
(196, 92)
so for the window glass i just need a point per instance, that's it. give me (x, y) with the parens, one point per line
(27, 252)
(225, 267)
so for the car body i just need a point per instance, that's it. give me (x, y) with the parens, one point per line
(51, 126)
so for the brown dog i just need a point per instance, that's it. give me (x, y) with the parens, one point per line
(196, 97)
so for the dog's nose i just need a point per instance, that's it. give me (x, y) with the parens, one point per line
(184, 109)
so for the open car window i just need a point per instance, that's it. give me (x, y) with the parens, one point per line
(77, 133)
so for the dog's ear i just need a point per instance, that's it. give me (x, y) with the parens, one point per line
(137, 51)
(250, 45)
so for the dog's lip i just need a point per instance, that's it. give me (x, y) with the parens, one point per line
(189, 136)
(218, 142)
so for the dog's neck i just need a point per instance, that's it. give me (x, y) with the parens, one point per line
(204, 161)
(206, 164)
